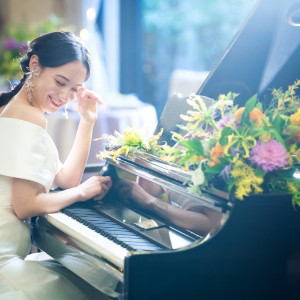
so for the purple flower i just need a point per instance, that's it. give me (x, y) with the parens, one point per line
(23, 47)
(10, 44)
(234, 151)
(225, 173)
(269, 156)
(223, 122)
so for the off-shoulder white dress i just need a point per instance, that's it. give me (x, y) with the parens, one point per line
(28, 152)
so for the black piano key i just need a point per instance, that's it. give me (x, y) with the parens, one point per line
(113, 231)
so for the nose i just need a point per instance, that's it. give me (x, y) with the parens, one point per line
(64, 94)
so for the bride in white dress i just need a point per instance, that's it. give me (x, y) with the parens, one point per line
(55, 68)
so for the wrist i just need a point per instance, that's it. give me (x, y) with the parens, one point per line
(151, 202)
(90, 123)
(79, 194)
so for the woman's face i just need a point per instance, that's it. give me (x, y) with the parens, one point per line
(55, 87)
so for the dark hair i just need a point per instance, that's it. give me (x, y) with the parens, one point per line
(53, 50)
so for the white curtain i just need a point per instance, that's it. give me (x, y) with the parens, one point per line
(98, 80)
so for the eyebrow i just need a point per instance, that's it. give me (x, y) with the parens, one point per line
(65, 78)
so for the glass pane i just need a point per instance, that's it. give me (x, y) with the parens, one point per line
(185, 35)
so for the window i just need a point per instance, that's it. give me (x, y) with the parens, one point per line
(159, 37)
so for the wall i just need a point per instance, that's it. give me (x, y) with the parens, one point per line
(14, 11)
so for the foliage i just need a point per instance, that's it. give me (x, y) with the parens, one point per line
(250, 149)
(14, 43)
(246, 150)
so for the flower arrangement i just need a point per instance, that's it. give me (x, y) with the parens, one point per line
(14, 44)
(126, 144)
(243, 151)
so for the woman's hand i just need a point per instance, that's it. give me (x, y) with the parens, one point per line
(129, 191)
(87, 105)
(95, 187)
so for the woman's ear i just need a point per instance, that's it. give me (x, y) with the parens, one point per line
(34, 65)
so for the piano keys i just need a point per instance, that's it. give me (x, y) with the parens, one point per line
(247, 249)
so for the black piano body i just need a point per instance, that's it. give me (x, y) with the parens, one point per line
(253, 253)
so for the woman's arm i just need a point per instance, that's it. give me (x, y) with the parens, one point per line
(29, 198)
(201, 223)
(71, 173)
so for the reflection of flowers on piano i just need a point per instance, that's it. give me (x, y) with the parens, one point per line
(249, 150)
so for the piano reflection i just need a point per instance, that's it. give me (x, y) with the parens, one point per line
(150, 238)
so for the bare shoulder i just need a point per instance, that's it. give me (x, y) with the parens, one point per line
(26, 113)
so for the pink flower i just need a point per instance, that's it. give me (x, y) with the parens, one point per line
(269, 156)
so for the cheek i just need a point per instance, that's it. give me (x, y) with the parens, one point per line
(72, 96)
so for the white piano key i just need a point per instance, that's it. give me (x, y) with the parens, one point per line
(100, 244)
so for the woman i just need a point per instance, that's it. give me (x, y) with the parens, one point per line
(55, 68)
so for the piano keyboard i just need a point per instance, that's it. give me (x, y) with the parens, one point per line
(108, 239)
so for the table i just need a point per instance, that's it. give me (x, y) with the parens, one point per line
(63, 130)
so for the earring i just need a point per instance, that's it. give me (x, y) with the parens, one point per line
(66, 113)
(29, 84)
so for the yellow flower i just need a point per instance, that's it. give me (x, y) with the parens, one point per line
(240, 142)
(295, 118)
(245, 180)
(199, 114)
(294, 154)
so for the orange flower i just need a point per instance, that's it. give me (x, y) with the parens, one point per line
(216, 152)
(265, 137)
(255, 115)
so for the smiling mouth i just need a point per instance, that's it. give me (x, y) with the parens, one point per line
(56, 103)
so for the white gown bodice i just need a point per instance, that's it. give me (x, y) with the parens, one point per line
(27, 152)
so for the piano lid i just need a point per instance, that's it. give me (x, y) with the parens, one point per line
(265, 54)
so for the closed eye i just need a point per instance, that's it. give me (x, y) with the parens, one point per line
(59, 83)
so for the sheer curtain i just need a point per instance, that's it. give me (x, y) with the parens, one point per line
(98, 80)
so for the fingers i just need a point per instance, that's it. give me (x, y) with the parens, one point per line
(105, 184)
(83, 94)
(106, 180)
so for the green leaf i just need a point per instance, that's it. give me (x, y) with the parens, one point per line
(278, 123)
(224, 161)
(230, 184)
(278, 137)
(193, 145)
(224, 136)
(216, 169)
(250, 105)
(286, 173)
(259, 172)
(259, 106)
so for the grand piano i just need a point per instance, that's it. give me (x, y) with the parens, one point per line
(232, 249)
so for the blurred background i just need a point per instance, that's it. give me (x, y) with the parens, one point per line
(143, 51)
